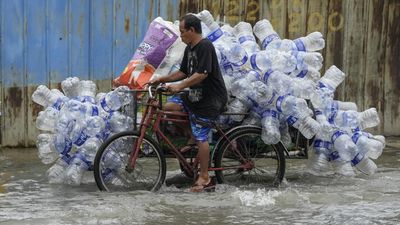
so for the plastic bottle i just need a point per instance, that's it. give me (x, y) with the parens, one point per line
(307, 125)
(244, 33)
(113, 100)
(238, 107)
(233, 51)
(341, 166)
(364, 164)
(87, 91)
(265, 33)
(46, 149)
(344, 145)
(45, 97)
(286, 139)
(305, 60)
(56, 173)
(77, 166)
(274, 60)
(252, 119)
(370, 147)
(310, 74)
(283, 84)
(83, 129)
(261, 94)
(120, 122)
(312, 42)
(270, 127)
(366, 119)
(292, 106)
(46, 119)
(319, 162)
(70, 87)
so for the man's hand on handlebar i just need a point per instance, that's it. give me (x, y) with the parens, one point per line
(174, 88)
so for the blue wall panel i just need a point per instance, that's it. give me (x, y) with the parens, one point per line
(46, 41)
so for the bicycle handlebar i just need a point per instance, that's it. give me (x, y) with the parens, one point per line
(161, 88)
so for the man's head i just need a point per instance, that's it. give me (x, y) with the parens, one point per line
(190, 28)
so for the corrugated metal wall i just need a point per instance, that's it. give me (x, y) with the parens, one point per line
(45, 41)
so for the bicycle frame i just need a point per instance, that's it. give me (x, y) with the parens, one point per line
(154, 115)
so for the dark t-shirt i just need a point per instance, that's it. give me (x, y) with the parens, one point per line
(208, 98)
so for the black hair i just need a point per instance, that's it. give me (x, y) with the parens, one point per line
(192, 21)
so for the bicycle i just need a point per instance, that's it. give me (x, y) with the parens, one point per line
(134, 160)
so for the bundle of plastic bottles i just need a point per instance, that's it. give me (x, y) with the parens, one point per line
(73, 125)
(278, 80)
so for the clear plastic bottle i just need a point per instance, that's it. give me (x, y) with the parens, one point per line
(120, 122)
(89, 148)
(261, 94)
(237, 106)
(244, 33)
(353, 119)
(46, 97)
(70, 87)
(265, 32)
(270, 127)
(364, 164)
(344, 145)
(56, 173)
(312, 42)
(293, 106)
(319, 161)
(83, 129)
(341, 166)
(370, 147)
(77, 166)
(46, 119)
(46, 148)
(305, 60)
(87, 91)
(309, 74)
(272, 59)
(115, 99)
(233, 51)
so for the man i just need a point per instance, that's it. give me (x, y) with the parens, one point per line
(207, 95)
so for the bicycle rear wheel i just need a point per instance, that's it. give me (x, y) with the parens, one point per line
(112, 170)
(249, 160)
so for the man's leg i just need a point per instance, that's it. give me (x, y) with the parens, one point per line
(204, 157)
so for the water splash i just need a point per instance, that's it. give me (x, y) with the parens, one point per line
(260, 197)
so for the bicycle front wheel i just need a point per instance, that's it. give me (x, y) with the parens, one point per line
(112, 169)
(247, 159)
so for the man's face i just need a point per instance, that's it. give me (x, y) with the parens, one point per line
(186, 34)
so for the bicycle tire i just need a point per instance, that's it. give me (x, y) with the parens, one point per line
(249, 143)
(111, 171)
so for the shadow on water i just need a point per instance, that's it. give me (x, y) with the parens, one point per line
(27, 198)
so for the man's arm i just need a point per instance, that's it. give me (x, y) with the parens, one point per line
(175, 76)
(196, 78)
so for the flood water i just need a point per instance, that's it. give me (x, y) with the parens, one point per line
(27, 198)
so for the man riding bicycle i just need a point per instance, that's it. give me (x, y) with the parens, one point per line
(207, 94)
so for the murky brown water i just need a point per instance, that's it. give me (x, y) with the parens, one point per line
(27, 198)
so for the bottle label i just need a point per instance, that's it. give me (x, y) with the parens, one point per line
(318, 143)
(266, 75)
(356, 136)
(357, 159)
(246, 38)
(81, 139)
(67, 147)
(253, 62)
(334, 156)
(58, 104)
(291, 120)
(215, 35)
(244, 60)
(302, 73)
(336, 135)
(271, 113)
(88, 99)
(331, 118)
(269, 39)
(279, 103)
(300, 45)
(95, 111)
(103, 104)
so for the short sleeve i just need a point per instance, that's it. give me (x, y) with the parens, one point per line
(204, 57)
(184, 62)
